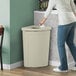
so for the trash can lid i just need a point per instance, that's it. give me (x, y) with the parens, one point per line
(36, 28)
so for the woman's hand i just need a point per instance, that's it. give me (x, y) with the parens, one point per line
(42, 21)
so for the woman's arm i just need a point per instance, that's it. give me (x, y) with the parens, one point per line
(73, 7)
(51, 4)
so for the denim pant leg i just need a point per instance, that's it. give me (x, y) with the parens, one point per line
(70, 41)
(63, 32)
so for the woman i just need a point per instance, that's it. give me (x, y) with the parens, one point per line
(67, 22)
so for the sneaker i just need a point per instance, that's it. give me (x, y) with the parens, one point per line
(59, 70)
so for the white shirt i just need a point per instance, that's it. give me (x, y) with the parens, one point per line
(65, 8)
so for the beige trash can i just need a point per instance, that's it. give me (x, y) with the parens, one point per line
(36, 46)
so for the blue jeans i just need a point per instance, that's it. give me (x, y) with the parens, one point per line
(66, 34)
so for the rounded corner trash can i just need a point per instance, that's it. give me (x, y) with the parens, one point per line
(36, 46)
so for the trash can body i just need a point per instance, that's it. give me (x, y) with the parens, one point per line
(36, 47)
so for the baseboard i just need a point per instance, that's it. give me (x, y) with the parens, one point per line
(17, 64)
(20, 63)
(12, 66)
(57, 63)
(6, 66)
(71, 64)
(54, 63)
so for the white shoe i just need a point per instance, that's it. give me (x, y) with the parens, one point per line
(58, 70)
(73, 68)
